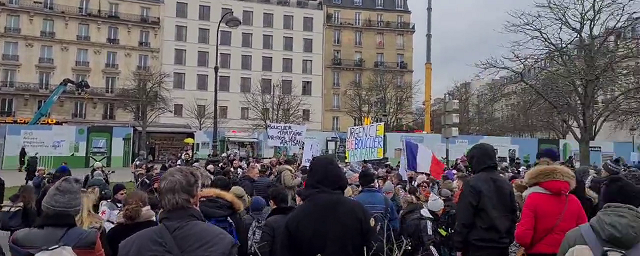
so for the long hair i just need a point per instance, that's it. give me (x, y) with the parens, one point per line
(87, 218)
(27, 196)
(133, 204)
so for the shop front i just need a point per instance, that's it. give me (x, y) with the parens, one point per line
(246, 144)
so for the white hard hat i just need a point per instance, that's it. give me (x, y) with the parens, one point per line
(97, 165)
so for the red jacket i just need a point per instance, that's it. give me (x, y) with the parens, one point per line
(541, 212)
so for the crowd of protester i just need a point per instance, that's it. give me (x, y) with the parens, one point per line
(228, 205)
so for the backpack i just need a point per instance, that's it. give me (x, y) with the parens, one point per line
(598, 250)
(255, 233)
(277, 180)
(11, 217)
(64, 248)
(226, 224)
(381, 225)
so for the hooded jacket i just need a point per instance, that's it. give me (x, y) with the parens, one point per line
(272, 229)
(289, 181)
(413, 219)
(547, 202)
(487, 210)
(215, 203)
(616, 226)
(340, 226)
(261, 187)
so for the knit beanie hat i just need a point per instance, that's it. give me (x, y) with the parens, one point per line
(257, 204)
(548, 153)
(98, 174)
(117, 188)
(445, 193)
(239, 193)
(611, 168)
(388, 187)
(617, 189)
(435, 204)
(63, 197)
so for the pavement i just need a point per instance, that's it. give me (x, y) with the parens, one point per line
(15, 178)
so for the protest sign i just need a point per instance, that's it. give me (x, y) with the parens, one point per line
(280, 135)
(365, 142)
(311, 150)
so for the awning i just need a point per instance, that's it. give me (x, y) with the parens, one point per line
(167, 129)
(239, 139)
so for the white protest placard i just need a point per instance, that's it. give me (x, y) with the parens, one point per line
(311, 150)
(280, 135)
(634, 157)
(46, 142)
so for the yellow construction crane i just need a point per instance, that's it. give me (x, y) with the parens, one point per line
(427, 75)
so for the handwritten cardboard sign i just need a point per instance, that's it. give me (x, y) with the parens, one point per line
(290, 135)
(365, 142)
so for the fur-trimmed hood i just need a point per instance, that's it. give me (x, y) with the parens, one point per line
(215, 203)
(542, 173)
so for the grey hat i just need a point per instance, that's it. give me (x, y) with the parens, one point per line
(445, 193)
(98, 174)
(388, 187)
(64, 197)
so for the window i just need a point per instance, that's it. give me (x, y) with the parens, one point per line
(225, 60)
(380, 19)
(287, 22)
(225, 11)
(222, 112)
(288, 43)
(203, 35)
(336, 17)
(180, 57)
(400, 58)
(336, 37)
(6, 107)
(47, 25)
(379, 3)
(287, 65)
(337, 54)
(181, 33)
(80, 77)
(225, 37)
(400, 41)
(13, 21)
(110, 83)
(400, 4)
(178, 80)
(8, 77)
(112, 35)
(83, 7)
(286, 87)
(247, 40)
(358, 38)
(145, 12)
(307, 24)
(202, 82)
(46, 52)
(306, 88)
(245, 84)
(224, 82)
(10, 48)
(357, 2)
(203, 59)
(358, 55)
(83, 32)
(336, 101)
(244, 113)
(265, 86)
(337, 1)
(267, 20)
(39, 104)
(380, 57)
(267, 63)
(144, 38)
(336, 79)
(143, 61)
(82, 56)
(358, 78)
(358, 19)
(204, 12)
(306, 115)
(182, 10)
(177, 110)
(380, 39)
(112, 60)
(44, 80)
(79, 110)
(247, 18)
(108, 111)
(307, 67)
(245, 62)
(47, 4)
(267, 42)
(335, 123)
(113, 9)
(307, 45)
(400, 19)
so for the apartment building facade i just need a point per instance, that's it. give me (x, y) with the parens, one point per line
(99, 41)
(362, 36)
(278, 42)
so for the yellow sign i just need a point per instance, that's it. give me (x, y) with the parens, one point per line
(365, 142)
(20, 120)
(366, 121)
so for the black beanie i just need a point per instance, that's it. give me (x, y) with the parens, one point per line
(366, 178)
(617, 189)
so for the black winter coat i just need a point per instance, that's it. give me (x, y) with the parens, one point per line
(120, 232)
(215, 203)
(246, 183)
(487, 210)
(414, 228)
(272, 231)
(188, 229)
(261, 187)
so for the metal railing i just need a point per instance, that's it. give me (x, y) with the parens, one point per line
(316, 5)
(111, 65)
(7, 113)
(83, 38)
(391, 65)
(47, 34)
(79, 115)
(368, 23)
(12, 30)
(339, 62)
(47, 89)
(108, 116)
(43, 60)
(10, 57)
(80, 63)
(144, 44)
(113, 41)
(143, 68)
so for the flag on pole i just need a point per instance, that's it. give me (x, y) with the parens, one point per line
(419, 158)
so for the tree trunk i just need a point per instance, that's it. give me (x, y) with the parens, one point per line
(583, 143)
(142, 142)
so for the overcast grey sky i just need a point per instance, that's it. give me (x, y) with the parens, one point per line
(464, 32)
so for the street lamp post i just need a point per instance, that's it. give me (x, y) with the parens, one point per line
(632, 131)
(230, 21)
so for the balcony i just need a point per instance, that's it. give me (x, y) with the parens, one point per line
(144, 44)
(391, 65)
(143, 68)
(111, 65)
(83, 38)
(7, 84)
(304, 4)
(47, 34)
(43, 60)
(76, 115)
(12, 30)
(109, 116)
(11, 57)
(368, 23)
(82, 63)
(42, 6)
(7, 113)
(113, 41)
(339, 62)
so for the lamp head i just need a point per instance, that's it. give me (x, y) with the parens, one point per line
(232, 21)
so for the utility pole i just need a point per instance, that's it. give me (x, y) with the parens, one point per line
(427, 74)
(449, 119)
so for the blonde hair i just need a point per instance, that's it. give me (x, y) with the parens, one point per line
(87, 218)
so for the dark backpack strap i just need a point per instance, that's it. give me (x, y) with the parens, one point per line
(166, 235)
(73, 236)
(592, 240)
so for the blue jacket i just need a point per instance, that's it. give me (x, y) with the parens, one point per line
(372, 198)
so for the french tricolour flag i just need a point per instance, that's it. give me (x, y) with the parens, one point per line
(419, 158)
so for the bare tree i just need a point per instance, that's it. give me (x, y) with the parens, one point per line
(275, 102)
(200, 116)
(578, 57)
(146, 96)
(384, 93)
